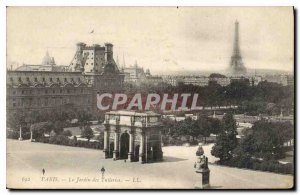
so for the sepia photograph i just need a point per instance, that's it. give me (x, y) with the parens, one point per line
(177, 97)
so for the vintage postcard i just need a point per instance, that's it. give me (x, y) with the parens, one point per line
(150, 98)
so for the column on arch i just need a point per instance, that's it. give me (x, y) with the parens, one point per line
(106, 140)
(116, 145)
(131, 144)
(142, 148)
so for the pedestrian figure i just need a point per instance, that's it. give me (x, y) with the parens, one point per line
(125, 160)
(43, 171)
(102, 171)
(195, 165)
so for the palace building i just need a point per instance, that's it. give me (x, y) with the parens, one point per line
(136, 75)
(132, 135)
(51, 87)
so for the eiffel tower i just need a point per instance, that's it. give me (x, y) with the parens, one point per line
(237, 67)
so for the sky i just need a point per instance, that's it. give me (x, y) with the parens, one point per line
(162, 39)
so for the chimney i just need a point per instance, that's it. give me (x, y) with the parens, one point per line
(80, 46)
(109, 52)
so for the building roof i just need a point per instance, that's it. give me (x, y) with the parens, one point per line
(30, 67)
(48, 60)
(132, 113)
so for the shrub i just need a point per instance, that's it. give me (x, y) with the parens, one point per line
(59, 139)
(64, 140)
(72, 142)
(193, 142)
(66, 133)
(42, 139)
(87, 132)
(13, 134)
(269, 165)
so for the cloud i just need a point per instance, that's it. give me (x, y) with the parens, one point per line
(185, 38)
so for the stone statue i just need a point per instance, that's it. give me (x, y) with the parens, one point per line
(200, 151)
(202, 168)
(203, 163)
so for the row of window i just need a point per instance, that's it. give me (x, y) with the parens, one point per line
(54, 101)
(112, 84)
(93, 58)
(48, 91)
(91, 64)
(44, 79)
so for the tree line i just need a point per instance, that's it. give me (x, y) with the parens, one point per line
(264, 98)
(49, 122)
(201, 128)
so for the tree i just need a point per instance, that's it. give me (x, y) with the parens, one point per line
(215, 126)
(16, 119)
(216, 75)
(188, 127)
(248, 145)
(203, 126)
(265, 139)
(39, 129)
(226, 140)
(58, 127)
(87, 132)
(84, 117)
(238, 91)
(33, 117)
(168, 127)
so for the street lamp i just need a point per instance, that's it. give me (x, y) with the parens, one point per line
(20, 138)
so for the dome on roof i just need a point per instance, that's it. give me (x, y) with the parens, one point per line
(47, 60)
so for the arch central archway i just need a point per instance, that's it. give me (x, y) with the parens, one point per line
(136, 153)
(111, 149)
(124, 146)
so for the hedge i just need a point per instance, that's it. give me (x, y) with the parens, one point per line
(64, 140)
(270, 166)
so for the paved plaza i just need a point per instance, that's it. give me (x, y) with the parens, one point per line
(72, 167)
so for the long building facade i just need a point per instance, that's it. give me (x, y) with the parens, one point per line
(76, 85)
(136, 75)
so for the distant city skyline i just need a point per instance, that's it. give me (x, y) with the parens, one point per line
(162, 39)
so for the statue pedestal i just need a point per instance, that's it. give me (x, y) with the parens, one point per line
(130, 156)
(105, 153)
(115, 154)
(203, 175)
(202, 170)
(20, 139)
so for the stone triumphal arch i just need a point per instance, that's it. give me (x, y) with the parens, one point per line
(133, 136)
